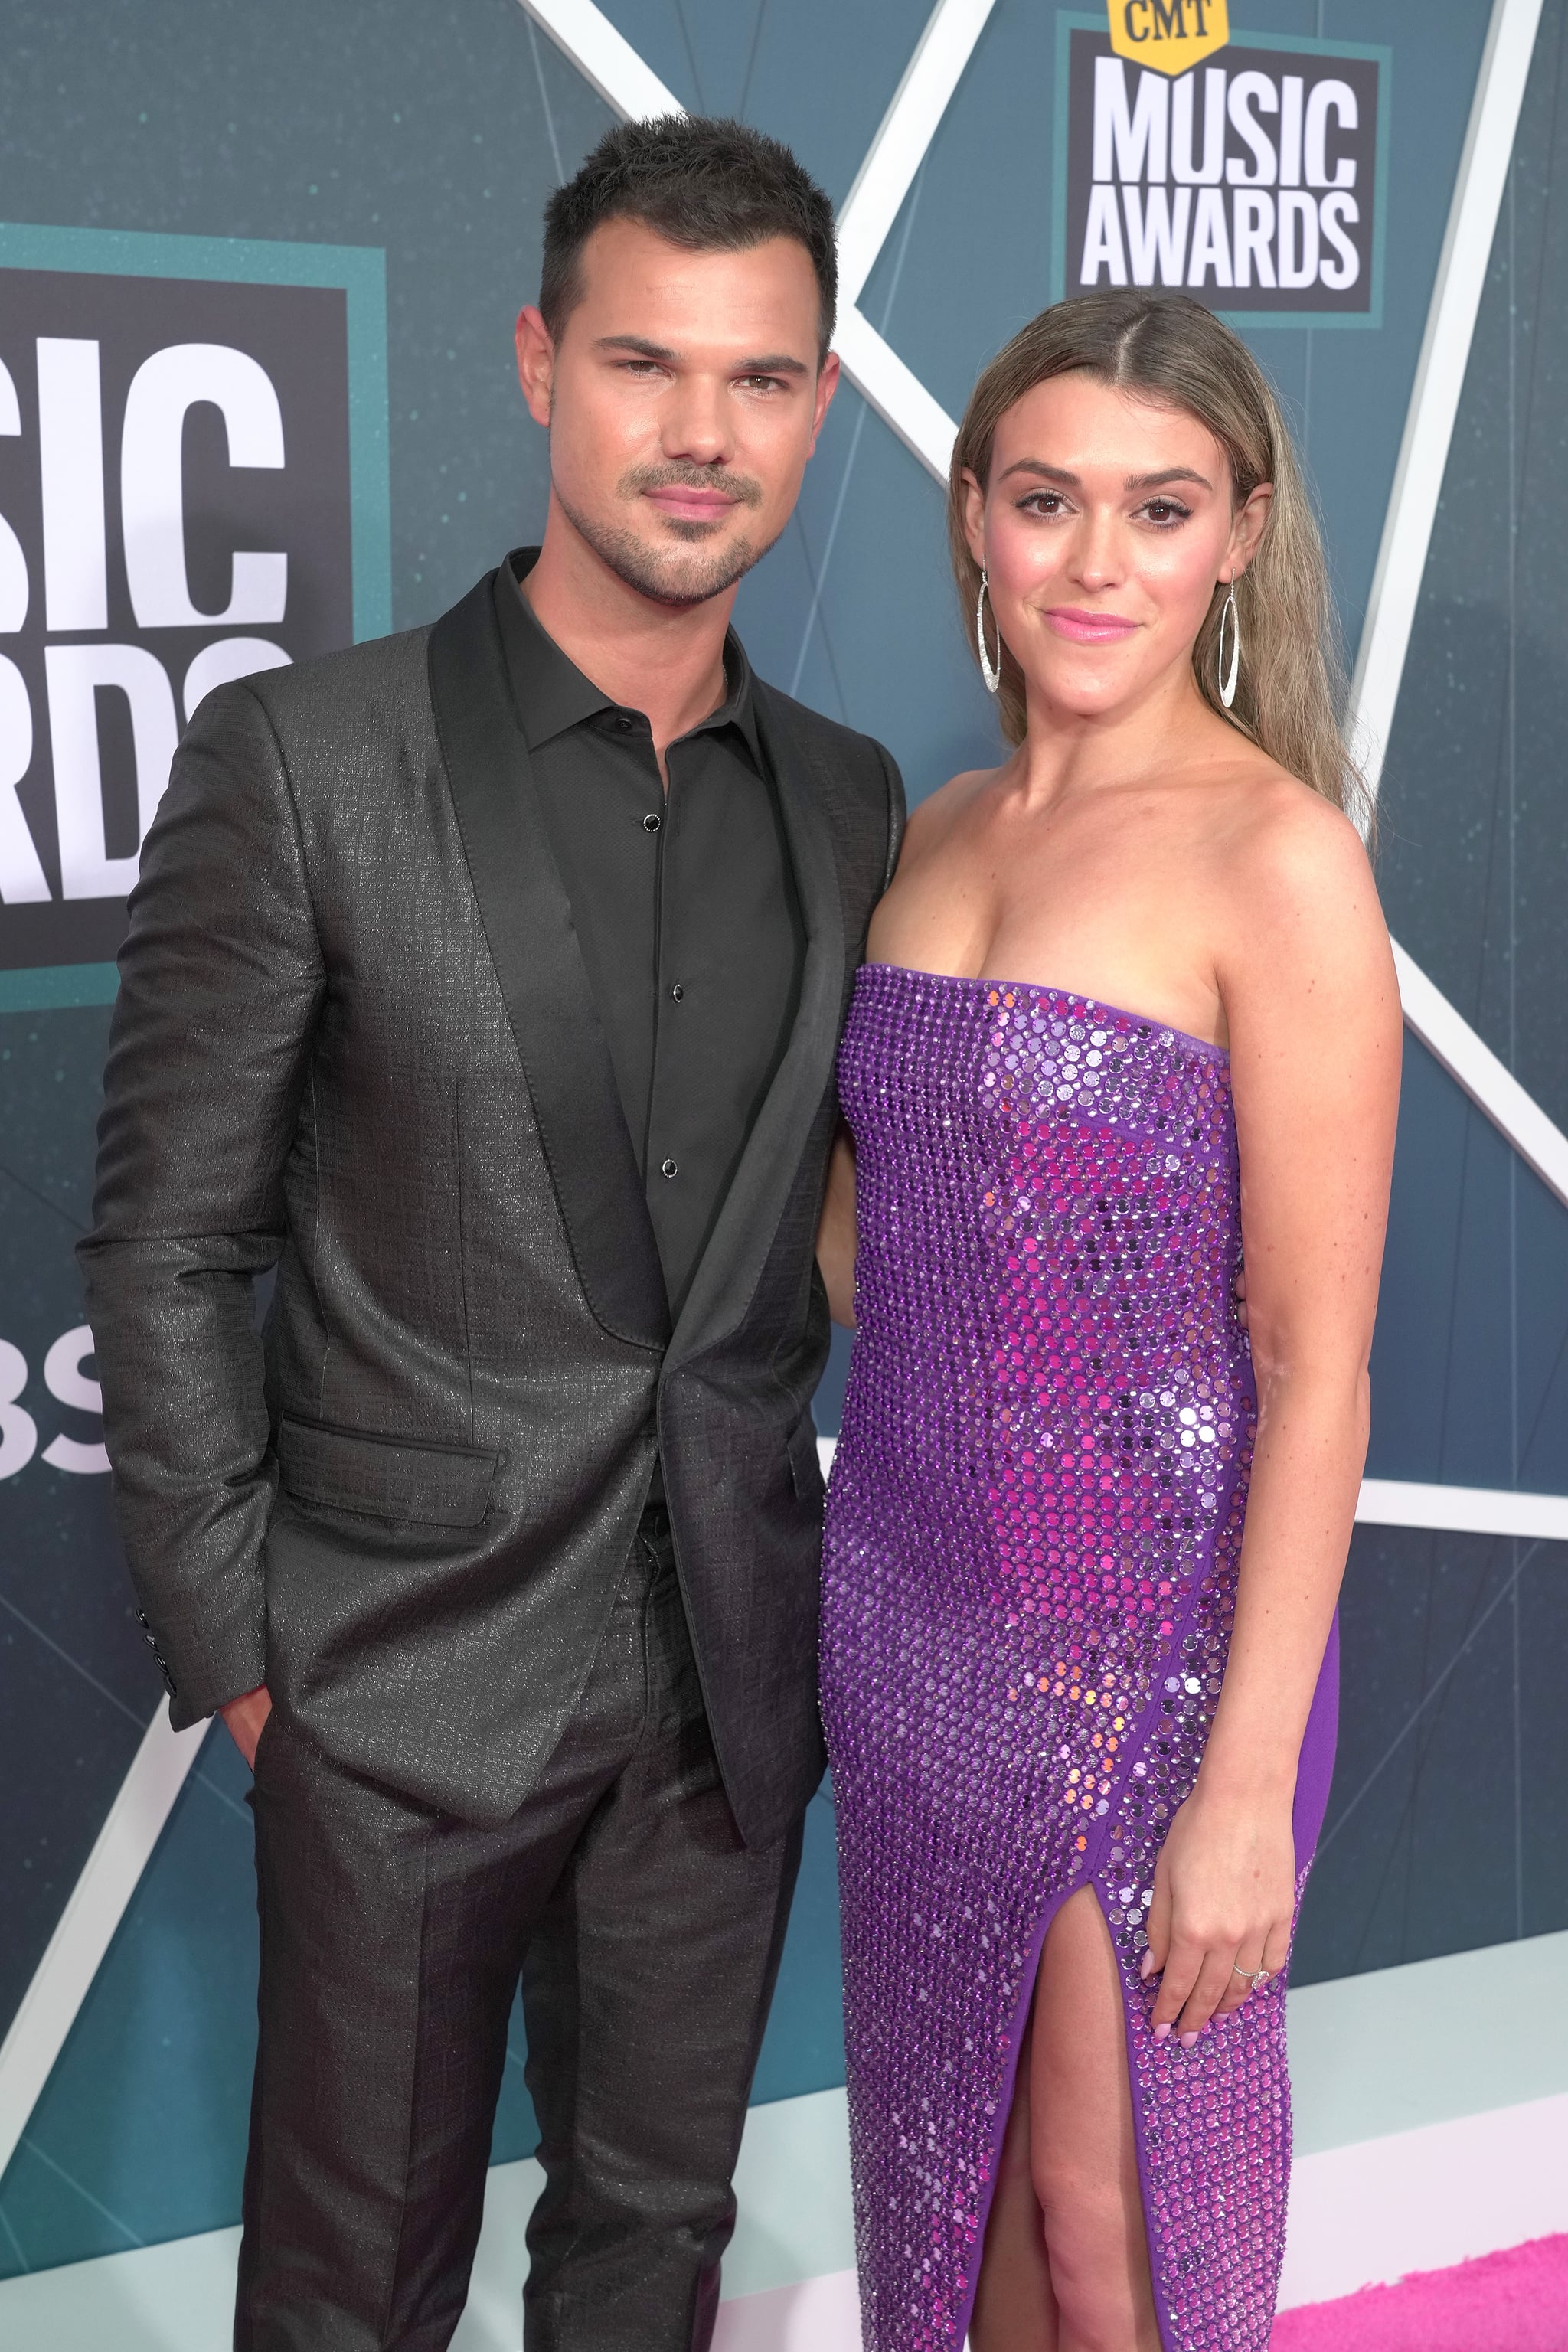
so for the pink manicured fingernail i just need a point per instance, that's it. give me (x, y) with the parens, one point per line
(1160, 2031)
(1146, 1964)
(1188, 2040)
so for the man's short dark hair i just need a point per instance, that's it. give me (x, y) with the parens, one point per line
(711, 186)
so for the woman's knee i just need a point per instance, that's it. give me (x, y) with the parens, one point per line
(1093, 2242)
(1078, 2202)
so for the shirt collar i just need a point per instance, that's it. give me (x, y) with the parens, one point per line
(553, 695)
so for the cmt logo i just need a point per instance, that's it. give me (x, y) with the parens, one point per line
(173, 513)
(1251, 183)
(1169, 35)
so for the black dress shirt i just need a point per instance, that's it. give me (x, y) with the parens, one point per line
(685, 909)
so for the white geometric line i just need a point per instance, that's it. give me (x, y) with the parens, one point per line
(71, 1961)
(604, 58)
(907, 129)
(1401, 1503)
(1490, 1084)
(586, 35)
(1440, 377)
(896, 392)
(1463, 1510)
(1408, 537)
(609, 63)
(903, 402)
(125, 1845)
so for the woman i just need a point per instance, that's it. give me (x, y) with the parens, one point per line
(1078, 1665)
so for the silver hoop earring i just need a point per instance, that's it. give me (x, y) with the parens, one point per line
(1227, 679)
(993, 676)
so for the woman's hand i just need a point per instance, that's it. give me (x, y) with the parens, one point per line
(1224, 1895)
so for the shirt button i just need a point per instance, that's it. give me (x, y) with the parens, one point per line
(651, 823)
(623, 724)
(677, 992)
(666, 1168)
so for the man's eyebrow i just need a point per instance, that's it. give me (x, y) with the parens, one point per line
(637, 343)
(767, 364)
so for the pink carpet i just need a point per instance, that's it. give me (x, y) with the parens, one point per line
(1511, 2302)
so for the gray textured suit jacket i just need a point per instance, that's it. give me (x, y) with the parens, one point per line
(354, 1040)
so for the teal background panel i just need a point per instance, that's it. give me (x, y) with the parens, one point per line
(438, 141)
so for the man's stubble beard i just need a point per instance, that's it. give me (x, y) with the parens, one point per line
(666, 577)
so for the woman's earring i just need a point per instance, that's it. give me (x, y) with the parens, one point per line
(1227, 678)
(993, 676)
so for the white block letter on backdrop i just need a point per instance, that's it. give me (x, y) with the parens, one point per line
(75, 673)
(1127, 142)
(226, 658)
(70, 468)
(13, 562)
(18, 1430)
(22, 878)
(1297, 239)
(1341, 98)
(152, 483)
(1185, 165)
(64, 1378)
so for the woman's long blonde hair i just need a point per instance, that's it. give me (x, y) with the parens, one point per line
(1169, 350)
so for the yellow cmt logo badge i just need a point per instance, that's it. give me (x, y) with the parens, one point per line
(1169, 35)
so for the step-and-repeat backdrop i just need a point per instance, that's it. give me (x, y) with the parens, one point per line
(257, 286)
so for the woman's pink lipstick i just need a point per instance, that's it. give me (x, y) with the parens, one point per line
(1089, 628)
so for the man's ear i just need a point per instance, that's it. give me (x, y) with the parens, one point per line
(535, 361)
(827, 386)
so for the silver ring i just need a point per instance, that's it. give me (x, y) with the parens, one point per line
(1256, 1978)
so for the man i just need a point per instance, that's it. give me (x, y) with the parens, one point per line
(487, 981)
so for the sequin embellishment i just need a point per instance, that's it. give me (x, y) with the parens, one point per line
(1034, 1522)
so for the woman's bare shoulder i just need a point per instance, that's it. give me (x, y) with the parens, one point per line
(1287, 843)
(932, 819)
(1298, 908)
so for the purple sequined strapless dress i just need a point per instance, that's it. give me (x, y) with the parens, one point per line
(1033, 1529)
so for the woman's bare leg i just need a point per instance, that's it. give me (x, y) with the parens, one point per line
(1083, 2153)
(1015, 2307)
(1066, 2267)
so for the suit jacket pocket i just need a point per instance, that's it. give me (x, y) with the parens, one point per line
(344, 1470)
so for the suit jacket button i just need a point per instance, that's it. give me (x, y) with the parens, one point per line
(668, 1168)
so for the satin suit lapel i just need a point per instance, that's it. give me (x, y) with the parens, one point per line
(528, 927)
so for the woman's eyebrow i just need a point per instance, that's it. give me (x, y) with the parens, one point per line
(1046, 473)
(1069, 481)
(1170, 473)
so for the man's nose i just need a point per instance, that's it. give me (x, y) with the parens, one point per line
(694, 421)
